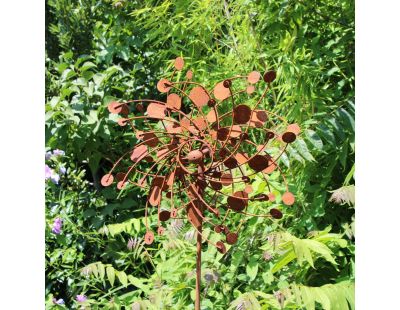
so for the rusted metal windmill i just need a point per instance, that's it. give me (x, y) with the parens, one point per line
(204, 148)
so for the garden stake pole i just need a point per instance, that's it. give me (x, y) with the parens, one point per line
(200, 170)
(202, 152)
(198, 269)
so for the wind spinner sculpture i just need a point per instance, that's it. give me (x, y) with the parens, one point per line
(204, 149)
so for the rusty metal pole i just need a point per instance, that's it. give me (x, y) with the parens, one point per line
(199, 188)
(198, 269)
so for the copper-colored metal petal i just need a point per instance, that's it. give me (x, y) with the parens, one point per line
(193, 216)
(275, 213)
(174, 101)
(295, 128)
(216, 185)
(174, 212)
(156, 110)
(142, 182)
(179, 63)
(288, 198)
(258, 118)
(211, 116)
(107, 180)
(231, 238)
(122, 122)
(269, 76)
(200, 123)
(226, 179)
(139, 152)
(114, 107)
(271, 197)
(250, 89)
(231, 163)
(124, 109)
(155, 196)
(121, 185)
(258, 163)
(164, 215)
(253, 77)
(222, 133)
(149, 238)
(164, 85)
(248, 189)
(120, 176)
(241, 114)
(241, 158)
(199, 96)
(235, 131)
(160, 231)
(288, 137)
(271, 167)
(221, 247)
(236, 202)
(221, 92)
(218, 229)
(150, 139)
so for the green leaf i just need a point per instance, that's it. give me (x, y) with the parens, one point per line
(110, 275)
(122, 277)
(252, 269)
(314, 139)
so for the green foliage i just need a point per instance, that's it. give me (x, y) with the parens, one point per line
(98, 51)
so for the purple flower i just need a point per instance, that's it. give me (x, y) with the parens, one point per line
(47, 172)
(81, 298)
(55, 178)
(58, 152)
(62, 170)
(48, 155)
(58, 302)
(57, 226)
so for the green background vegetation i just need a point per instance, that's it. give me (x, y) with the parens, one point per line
(99, 51)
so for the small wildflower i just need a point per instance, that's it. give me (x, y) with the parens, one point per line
(132, 243)
(55, 178)
(58, 302)
(267, 256)
(48, 155)
(189, 235)
(58, 152)
(81, 298)
(47, 172)
(280, 297)
(57, 226)
(62, 170)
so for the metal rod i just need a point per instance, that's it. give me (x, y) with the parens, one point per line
(198, 268)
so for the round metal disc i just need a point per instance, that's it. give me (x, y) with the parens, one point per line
(199, 96)
(253, 77)
(288, 198)
(163, 85)
(149, 238)
(164, 215)
(288, 137)
(269, 76)
(258, 163)
(276, 214)
(221, 92)
(241, 114)
(179, 63)
(107, 180)
(174, 101)
(231, 238)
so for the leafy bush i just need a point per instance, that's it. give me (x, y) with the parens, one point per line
(98, 51)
